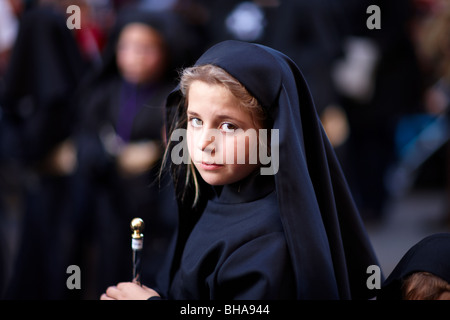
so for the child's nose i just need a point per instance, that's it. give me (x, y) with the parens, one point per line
(206, 140)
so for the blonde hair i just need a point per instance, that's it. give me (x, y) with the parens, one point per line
(214, 75)
(423, 286)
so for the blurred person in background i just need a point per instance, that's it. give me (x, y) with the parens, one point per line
(378, 80)
(44, 69)
(423, 273)
(119, 143)
(96, 17)
(9, 26)
(432, 38)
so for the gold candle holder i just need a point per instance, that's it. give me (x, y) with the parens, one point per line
(137, 242)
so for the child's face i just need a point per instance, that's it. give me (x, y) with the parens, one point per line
(217, 134)
(140, 53)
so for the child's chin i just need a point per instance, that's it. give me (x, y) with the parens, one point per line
(212, 181)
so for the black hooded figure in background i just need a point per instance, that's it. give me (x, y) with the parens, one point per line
(36, 153)
(423, 273)
(288, 229)
(119, 144)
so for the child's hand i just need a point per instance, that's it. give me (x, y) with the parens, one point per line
(128, 291)
(138, 157)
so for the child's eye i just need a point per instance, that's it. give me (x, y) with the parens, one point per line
(228, 127)
(196, 122)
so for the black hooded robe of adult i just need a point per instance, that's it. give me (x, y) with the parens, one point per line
(38, 114)
(324, 251)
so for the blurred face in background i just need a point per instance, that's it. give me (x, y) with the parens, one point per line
(140, 54)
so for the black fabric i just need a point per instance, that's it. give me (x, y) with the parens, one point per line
(327, 243)
(223, 256)
(45, 68)
(38, 113)
(431, 254)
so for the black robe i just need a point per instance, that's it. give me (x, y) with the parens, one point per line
(38, 113)
(237, 249)
(110, 200)
(45, 68)
(328, 247)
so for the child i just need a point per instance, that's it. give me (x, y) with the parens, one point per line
(423, 273)
(244, 233)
